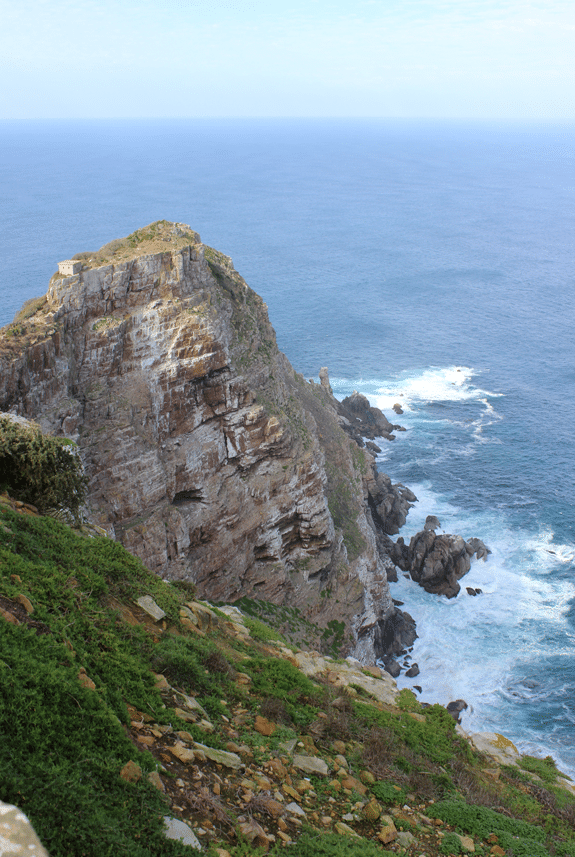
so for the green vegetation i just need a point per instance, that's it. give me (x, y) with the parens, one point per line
(290, 625)
(451, 844)
(65, 742)
(544, 768)
(407, 700)
(518, 838)
(333, 636)
(262, 632)
(41, 470)
(315, 844)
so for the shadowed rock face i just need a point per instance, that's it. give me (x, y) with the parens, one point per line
(438, 562)
(201, 443)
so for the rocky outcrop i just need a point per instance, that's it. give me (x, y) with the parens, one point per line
(389, 503)
(438, 562)
(360, 419)
(208, 456)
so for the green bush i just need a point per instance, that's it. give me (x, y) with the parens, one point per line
(387, 794)
(281, 680)
(544, 768)
(518, 838)
(407, 700)
(42, 470)
(261, 632)
(451, 844)
(62, 744)
(319, 844)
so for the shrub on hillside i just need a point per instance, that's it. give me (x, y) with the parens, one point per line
(39, 469)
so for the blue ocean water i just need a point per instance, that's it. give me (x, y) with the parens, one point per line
(425, 263)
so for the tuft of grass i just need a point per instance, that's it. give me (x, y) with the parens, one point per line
(29, 308)
(261, 632)
(518, 837)
(42, 470)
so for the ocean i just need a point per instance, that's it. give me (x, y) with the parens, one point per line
(426, 263)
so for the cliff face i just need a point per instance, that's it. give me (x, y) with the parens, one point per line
(208, 456)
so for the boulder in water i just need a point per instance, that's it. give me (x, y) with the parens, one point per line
(455, 708)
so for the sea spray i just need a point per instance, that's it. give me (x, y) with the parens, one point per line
(509, 651)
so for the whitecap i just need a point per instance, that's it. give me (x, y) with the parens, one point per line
(434, 384)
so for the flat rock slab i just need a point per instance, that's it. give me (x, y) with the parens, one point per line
(295, 809)
(311, 664)
(149, 606)
(495, 745)
(566, 784)
(311, 765)
(179, 830)
(220, 757)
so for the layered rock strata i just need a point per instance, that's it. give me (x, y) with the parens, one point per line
(208, 456)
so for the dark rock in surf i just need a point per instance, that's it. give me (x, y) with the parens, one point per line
(393, 635)
(455, 708)
(393, 668)
(364, 419)
(431, 523)
(437, 562)
(389, 504)
(413, 671)
(476, 546)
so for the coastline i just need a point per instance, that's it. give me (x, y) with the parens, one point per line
(477, 648)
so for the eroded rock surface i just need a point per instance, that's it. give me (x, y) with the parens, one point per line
(361, 419)
(208, 456)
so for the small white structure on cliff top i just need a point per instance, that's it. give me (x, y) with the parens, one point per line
(69, 267)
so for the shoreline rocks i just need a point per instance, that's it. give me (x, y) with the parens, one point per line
(362, 420)
(437, 563)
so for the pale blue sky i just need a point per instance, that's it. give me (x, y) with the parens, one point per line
(183, 58)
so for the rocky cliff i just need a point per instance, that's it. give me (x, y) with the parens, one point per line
(208, 456)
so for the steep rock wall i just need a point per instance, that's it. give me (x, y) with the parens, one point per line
(208, 456)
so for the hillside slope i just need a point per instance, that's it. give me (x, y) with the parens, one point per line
(114, 719)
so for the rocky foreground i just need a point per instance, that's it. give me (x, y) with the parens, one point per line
(138, 720)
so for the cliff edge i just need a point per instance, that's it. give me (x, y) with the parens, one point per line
(207, 455)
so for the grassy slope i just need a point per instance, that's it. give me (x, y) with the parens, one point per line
(63, 745)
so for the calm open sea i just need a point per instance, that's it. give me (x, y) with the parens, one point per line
(430, 263)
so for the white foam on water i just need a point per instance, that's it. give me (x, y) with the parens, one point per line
(435, 384)
(415, 392)
(549, 553)
(481, 648)
(488, 649)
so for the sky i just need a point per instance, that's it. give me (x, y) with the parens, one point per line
(493, 59)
